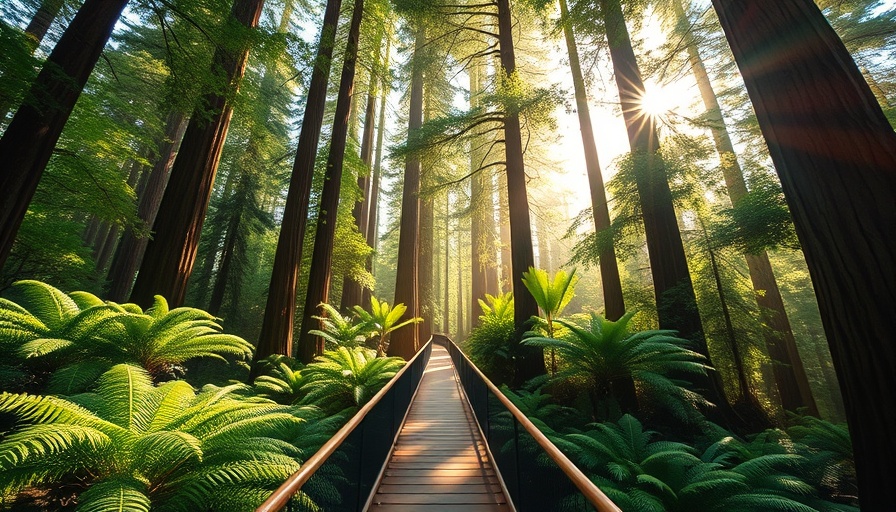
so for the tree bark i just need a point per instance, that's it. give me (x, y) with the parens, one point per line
(404, 341)
(130, 251)
(277, 326)
(530, 360)
(835, 153)
(614, 304)
(320, 274)
(170, 256)
(28, 142)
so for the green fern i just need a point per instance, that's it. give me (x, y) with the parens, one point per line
(340, 331)
(80, 337)
(133, 445)
(605, 353)
(491, 343)
(347, 378)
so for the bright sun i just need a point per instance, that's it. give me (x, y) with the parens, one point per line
(657, 100)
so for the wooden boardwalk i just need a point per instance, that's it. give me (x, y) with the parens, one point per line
(439, 463)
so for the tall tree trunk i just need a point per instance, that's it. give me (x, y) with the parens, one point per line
(676, 302)
(28, 142)
(507, 284)
(373, 207)
(790, 375)
(320, 274)
(404, 341)
(170, 256)
(40, 23)
(425, 259)
(530, 360)
(228, 249)
(351, 289)
(482, 221)
(130, 250)
(835, 153)
(611, 283)
(446, 288)
(277, 326)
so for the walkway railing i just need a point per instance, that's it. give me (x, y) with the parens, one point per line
(537, 475)
(342, 474)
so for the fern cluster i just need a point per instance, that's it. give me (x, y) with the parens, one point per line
(109, 424)
(77, 337)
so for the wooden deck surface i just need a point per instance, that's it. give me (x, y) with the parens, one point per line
(439, 463)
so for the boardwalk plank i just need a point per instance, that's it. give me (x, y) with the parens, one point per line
(439, 463)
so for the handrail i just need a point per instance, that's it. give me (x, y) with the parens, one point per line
(591, 492)
(294, 483)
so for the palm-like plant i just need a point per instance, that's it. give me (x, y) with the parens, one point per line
(133, 446)
(344, 377)
(83, 337)
(552, 296)
(382, 320)
(338, 330)
(616, 362)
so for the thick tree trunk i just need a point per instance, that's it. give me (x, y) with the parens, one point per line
(614, 304)
(790, 375)
(170, 256)
(835, 153)
(130, 251)
(507, 283)
(28, 142)
(277, 327)
(321, 271)
(530, 360)
(404, 341)
(676, 302)
(480, 207)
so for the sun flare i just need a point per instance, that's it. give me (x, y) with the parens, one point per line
(657, 101)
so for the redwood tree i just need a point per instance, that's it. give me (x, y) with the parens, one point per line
(405, 342)
(609, 268)
(28, 142)
(530, 361)
(169, 257)
(277, 327)
(676, 302)
(835, 153)
(325, 235)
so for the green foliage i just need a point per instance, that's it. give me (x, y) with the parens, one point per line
(347, 378)
(760, 221)
(491, 345)
(135, 445)
(382, 319)
(281, 379)
(338, 330)
(80, 336)
(603, 352)
(828, 448)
